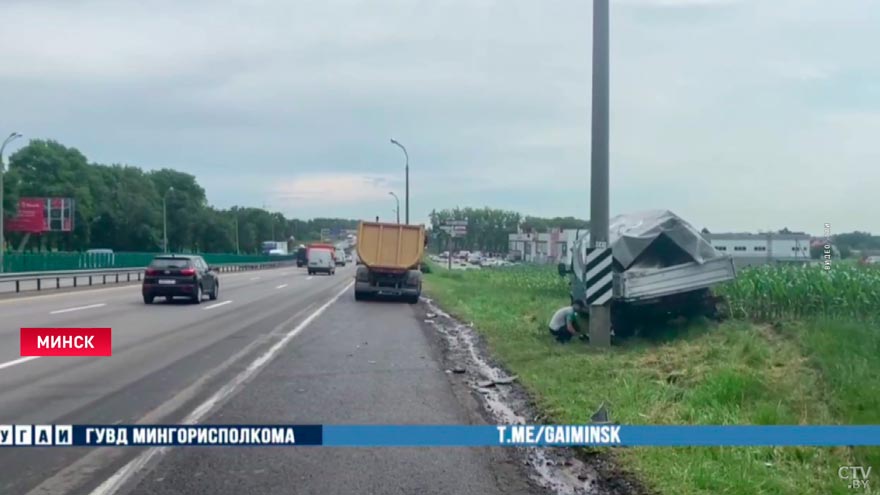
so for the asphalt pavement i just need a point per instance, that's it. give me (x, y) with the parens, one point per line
(323, 359)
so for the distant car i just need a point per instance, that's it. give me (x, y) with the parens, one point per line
(340, 257)
(180, 275)
(301, 256)
(321, 261)
(872, 260)
(349, 258)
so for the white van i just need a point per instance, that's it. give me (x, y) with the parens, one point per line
(321, 260)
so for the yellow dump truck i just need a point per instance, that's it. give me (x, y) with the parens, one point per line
(389, 255)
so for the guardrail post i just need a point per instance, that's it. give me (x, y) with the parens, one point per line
(38, 284)
(128, 277)
(17, 286)
(57, 282)
(117, 278)
(90, 280)
(105, 280)
(74, 280)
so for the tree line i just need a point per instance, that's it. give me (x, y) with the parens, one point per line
(120, 207)
(488, 228)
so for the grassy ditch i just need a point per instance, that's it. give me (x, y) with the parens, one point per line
(789, 370)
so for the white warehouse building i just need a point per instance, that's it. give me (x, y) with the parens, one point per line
(753, 249)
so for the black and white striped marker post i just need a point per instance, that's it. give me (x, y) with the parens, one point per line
(599, 276)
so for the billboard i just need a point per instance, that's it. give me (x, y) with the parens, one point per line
(36, 215)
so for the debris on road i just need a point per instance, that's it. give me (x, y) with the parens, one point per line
(430, 316)
(558, 470)
(601, 415)
(506, 380)
(459, 371)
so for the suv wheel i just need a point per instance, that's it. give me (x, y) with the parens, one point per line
(148, 299)
(215, 293)
(198, 296)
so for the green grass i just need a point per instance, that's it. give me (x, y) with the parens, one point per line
(817, 371)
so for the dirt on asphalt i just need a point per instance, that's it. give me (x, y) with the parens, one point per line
(501, 399)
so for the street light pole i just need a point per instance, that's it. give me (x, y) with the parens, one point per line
(405, 154)
(12, 137)
(237, 250)
(600, 314)
(398, 206)
(165, 218)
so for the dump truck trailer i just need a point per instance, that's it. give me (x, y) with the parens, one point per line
(662, 266)
(389, 255)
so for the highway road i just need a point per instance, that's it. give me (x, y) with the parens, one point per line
(278, 346)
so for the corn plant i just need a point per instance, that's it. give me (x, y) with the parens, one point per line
(771, 292)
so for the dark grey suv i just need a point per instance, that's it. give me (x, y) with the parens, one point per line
(173, 275)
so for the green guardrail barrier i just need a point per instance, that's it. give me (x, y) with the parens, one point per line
(53, 261)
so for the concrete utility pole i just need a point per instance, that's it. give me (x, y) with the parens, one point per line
(405, 154)
(12, 137)
(600, 315)
(237, 248)
(165, 218)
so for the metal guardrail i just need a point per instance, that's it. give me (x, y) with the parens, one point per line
(103, 276)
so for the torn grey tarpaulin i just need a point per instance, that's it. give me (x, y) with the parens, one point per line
(651, 239)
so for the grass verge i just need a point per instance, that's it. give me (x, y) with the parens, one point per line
(820, 371)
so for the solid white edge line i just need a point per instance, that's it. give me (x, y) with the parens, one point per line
(78, 308)
(120, 477)
(218, 304)
(281, 286)
(309, 277)
(9, 364)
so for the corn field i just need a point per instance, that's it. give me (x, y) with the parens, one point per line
(770, 292)
(760, 293)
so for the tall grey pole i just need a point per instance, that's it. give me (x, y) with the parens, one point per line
(600, 315)
(398, 206)
(165, 219)
(12, 137)
(237, 248)
(405, 154)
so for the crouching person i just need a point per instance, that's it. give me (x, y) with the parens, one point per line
(565, 322)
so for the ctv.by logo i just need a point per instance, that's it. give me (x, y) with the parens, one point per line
(855, 476)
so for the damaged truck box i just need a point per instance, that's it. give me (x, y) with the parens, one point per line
(663, 267)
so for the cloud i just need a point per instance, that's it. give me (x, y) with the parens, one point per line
(332, 189)
(719, 108)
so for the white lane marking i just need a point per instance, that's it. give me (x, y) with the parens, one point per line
(74, 475)
(309, 277)
(218, 304)
(256, 278)
(117, 480)
(78, 308)
(9, 364)
(281, 286)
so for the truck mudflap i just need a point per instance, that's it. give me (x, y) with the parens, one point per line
(643, 284)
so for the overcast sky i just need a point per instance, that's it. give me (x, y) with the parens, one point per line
(737, 115)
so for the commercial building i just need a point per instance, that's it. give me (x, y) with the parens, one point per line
(543, 247)
(754, 249)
